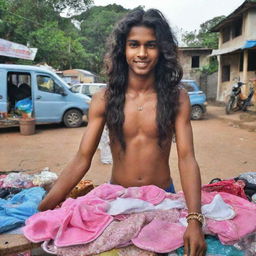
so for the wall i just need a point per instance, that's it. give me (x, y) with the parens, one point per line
(251, 25)
(225, 87)
(185, 58)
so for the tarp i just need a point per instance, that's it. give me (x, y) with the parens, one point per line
(246, 45)
(225, 50)
(249, 44)
(10, 49)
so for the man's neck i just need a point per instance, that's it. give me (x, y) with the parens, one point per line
(141, 84)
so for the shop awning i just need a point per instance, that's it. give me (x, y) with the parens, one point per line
(249, 44)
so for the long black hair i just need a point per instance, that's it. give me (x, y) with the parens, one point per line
(168, 73)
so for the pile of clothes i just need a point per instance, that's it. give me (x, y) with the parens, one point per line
(111, 216)
(20, 195)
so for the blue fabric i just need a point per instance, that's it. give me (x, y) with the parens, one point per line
(249, 44)
(14, 211)
(171, 189)
(215, 247)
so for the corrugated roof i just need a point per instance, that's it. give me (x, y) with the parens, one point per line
(234, 15)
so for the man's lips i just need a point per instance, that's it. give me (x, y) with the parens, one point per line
(141, 63)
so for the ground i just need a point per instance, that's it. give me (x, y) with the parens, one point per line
(222, 150)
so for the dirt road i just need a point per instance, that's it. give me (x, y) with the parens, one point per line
(221, 150)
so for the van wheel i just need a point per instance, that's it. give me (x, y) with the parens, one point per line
(196, 113)
(73, 118)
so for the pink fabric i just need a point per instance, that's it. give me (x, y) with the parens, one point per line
(83, 219)
(230, 186)
(160, 236)
(122, 232)
(244, 223)
(77, 221)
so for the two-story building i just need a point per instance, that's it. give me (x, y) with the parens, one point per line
(237, 49)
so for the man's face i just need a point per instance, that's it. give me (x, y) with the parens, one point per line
(141, 51)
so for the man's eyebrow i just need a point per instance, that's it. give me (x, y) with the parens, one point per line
(135, 41)
(130, 40)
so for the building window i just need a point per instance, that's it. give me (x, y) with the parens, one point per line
(237, 27)
(241, 64)
(226, 34)
(252, 61)
(195, 62)
(225, 73)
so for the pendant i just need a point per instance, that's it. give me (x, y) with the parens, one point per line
(140, 108)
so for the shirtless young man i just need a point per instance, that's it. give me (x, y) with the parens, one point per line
(143, 106)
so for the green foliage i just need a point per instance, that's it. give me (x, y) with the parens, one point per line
(60, 44)
(203, 38)
(97, 24)
(211, 68)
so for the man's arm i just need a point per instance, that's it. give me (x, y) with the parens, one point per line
(189, 175)
(80, 164)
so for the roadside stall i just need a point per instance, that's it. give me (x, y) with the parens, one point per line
(112, 220)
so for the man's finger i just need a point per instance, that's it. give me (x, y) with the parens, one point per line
(203, 252)
(186, 247)
(193, 250)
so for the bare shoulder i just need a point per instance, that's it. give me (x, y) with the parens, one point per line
(98, 103)
(183, 97)
(184, 105)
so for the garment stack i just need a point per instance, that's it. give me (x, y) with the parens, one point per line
(111, 216)
(20, 195)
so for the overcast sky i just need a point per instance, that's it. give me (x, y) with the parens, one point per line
(183, 14)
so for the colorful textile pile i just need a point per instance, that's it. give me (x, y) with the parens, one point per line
(112, 216)
(14, 211)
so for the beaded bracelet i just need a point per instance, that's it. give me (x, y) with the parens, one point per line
(196, 216)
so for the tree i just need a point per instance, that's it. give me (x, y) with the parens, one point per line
(39, 24)
(96, 25)
(204, 37)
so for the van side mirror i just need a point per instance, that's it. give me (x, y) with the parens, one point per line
(62, 92)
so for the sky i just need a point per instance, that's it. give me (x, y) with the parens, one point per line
(183, 15)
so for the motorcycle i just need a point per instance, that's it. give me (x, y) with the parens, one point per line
(236, 102)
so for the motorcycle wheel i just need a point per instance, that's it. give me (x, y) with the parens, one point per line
(229, 106)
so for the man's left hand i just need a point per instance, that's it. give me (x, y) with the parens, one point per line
(194, 243)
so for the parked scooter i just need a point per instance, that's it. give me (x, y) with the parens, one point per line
(236, 102)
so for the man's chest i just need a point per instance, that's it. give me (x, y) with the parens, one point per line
(140, 120)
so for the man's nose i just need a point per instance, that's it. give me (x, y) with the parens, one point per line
(142, 52)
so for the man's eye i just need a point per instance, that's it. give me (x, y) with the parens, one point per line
(151, 46)
(133, 45)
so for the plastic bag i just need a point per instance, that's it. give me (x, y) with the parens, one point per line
(24, 105)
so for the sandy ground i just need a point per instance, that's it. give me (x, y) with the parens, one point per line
(221, 150)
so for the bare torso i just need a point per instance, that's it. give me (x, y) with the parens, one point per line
(143, 162)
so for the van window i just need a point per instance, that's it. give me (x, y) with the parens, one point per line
(187, 86)
(47, 84)
(75, 88)
(18, 88)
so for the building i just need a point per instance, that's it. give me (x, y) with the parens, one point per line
(237, 49)
(192, 59)
(73, 76)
